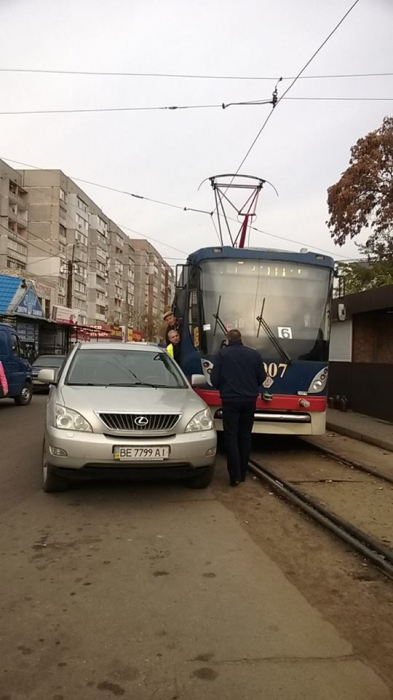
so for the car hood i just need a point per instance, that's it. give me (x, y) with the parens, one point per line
(130, 400)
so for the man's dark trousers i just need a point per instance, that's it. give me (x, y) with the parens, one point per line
(238, 419)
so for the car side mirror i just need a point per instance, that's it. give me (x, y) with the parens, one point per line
(47, 376)
(198, 380)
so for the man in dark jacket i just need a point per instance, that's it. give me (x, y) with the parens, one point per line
(238, 374)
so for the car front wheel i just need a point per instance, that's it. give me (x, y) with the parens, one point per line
(25, 395)
(51, 482)
(202, 480)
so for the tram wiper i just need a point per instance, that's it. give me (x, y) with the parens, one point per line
(219, 321)
(274, 340)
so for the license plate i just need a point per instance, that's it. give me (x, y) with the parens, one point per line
(140, 454)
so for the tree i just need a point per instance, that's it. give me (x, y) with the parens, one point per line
(363, 275)
(363, 199)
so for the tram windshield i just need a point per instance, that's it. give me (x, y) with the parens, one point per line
(292, 299)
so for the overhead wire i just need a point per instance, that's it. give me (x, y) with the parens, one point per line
(167, 204)
(121, 226)
(249, 103)
(295, 79)
(190, 76)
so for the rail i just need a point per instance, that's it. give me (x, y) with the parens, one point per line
(362, 542)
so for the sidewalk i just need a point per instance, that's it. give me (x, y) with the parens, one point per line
(363, 428)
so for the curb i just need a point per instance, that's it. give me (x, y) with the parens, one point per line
(369, 439)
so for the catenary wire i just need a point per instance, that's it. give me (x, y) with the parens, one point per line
(191, 76)
(295, 79)
(250, 103)
(167, 204)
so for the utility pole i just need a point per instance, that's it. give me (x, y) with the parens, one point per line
(126, 317)
(70, 276)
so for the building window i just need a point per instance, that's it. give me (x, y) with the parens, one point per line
(81, 204)
(103, 225)
(63, 195)
(80, 287)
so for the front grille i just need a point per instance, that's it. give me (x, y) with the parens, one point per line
(139, 422)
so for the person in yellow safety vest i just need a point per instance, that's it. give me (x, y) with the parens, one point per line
(173, 349)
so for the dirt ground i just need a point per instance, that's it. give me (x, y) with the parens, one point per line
(349, 592)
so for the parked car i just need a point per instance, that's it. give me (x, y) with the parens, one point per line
(45, 362)
(16, 367)
(115, 409)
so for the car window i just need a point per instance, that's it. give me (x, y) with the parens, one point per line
(124, 368)
(3, 343)
(49, 361)
(15, 345)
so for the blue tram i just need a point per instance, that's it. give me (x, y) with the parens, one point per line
(280, 301)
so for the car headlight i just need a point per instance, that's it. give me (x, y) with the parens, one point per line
(67, 419)
(201, 421)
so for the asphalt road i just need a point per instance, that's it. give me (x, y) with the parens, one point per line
(149, 592)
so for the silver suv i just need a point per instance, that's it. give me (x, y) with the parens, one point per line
(118, 407)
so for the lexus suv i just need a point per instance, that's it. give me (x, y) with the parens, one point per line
(116, 408)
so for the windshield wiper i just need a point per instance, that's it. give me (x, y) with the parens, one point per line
(219, 322)
(81, 384)
(129, 384)
(274, 340)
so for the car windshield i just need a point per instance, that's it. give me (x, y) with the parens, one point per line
(262, 298)
(125, 368)
(49, 361)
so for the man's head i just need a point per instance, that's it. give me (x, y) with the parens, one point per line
(234, 336)
(174, 337)
(170, 318)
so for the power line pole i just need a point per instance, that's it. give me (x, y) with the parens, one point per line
(126, 316)
(70, 276)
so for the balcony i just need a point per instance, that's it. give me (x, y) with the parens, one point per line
(100, 286)
(14, 236)
(17, 255)
(17, 216)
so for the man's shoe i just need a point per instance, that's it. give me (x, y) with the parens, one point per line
(234, 483)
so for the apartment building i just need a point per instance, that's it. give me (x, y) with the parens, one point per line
(121, 277)
(54, 233)
(154, 286)
(98, 269)
(13, 220)
(75, 235)
(58, 235)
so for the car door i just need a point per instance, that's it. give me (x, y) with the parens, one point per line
(5, 356)
(18, 367)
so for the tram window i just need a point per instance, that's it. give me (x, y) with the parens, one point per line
(193, 318)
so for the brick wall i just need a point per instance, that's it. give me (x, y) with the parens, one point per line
(373, 337)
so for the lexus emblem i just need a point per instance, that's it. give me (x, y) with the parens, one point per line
(141, 421)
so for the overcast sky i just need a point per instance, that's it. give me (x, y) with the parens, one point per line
(166, 154)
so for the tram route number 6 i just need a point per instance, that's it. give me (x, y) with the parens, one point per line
(272, 370)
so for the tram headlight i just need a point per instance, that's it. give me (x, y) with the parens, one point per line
(318, 384)
(201, 421)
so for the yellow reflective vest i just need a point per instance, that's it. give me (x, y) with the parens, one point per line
(170, 350)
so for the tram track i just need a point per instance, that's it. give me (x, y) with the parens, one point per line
(354, 464)
(364, 543)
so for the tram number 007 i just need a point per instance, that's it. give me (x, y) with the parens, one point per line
(273, 370)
